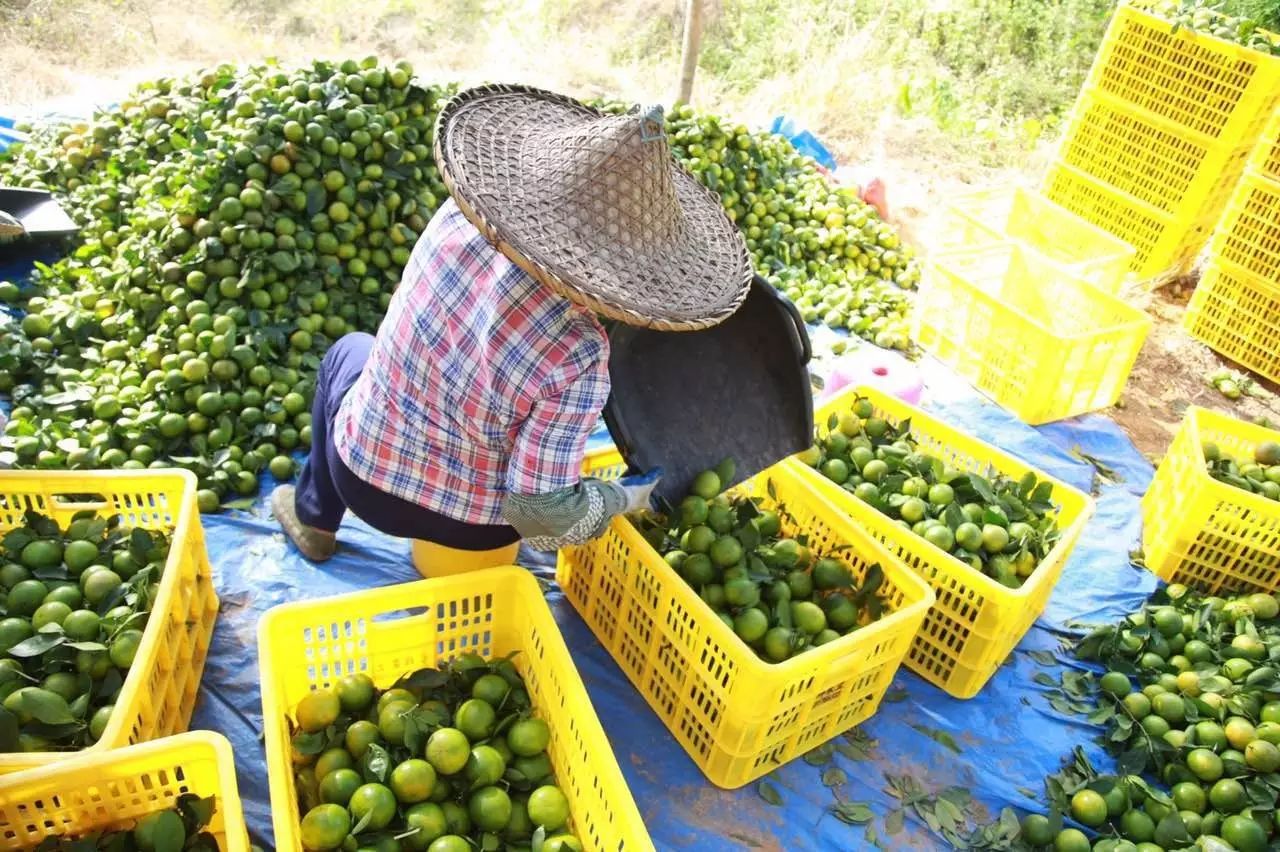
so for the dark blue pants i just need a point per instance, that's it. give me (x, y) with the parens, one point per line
(327, 487)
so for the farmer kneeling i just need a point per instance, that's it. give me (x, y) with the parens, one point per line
(464, 421)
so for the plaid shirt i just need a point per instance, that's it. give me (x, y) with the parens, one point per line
(481, 382)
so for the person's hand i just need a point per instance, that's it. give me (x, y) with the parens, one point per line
(639, 488)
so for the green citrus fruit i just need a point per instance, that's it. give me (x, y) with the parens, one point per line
(79, 555)
(338, 786)
(706, 485)
(529, 737)
(490, 808)
(376, 802)
(476, 719)
(1204, 764)
(124, 648)
(360, 736)
(325, 827)
(485, 766)
(453, 843)
(1137, 826)
(318, 710)
(49, 613)
(1071, 840)
(1244, 834)
(413, 781)
(548, 808)
(1089, 808)
(490, 688)
(355, 692)
(1227, 795)
(448, 750)
(334, 758)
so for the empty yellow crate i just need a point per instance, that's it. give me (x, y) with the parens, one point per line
(976, 621)
(1207, 85)
(1204, 533)
(1248, 237)
(1035, 337)
(737, 715)
(110, 790)
(160, 691)
(1266, 157)
(1023, 215)
(389, 632)
(1238, 315)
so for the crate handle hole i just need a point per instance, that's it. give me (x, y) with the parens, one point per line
(70, 502)
(400, 614)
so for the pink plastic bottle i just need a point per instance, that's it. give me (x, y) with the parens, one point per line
(881, 369)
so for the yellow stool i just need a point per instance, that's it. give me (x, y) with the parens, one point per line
(436, 560)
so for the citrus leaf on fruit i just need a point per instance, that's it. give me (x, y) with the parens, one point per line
(376, 764)
(37, 645)
(46, 707)
(834, 777)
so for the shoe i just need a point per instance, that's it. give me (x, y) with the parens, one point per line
(316, 545)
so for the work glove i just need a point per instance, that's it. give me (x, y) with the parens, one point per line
(639, 489)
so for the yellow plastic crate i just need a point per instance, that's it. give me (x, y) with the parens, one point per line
(1266, 157)
(1151, 164)
(1238, 315)
(1248, 237)
(1159, 245)
(1205, 533)
(160, 691)
(736, 715)
(1033, 336)
(392, 631)
(110, 790)
(1143, 155)
(1207, 85)
(1023, 215)
(976, 622)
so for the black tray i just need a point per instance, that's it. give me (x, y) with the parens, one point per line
(38, 212)
(683, 401)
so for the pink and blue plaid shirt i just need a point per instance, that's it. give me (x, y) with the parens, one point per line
(481, 382)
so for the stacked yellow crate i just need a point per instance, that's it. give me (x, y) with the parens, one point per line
(1236, 306)
(1161, 134)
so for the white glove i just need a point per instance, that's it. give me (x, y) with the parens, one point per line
(639, 489)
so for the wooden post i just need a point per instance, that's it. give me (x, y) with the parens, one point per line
(689, 53)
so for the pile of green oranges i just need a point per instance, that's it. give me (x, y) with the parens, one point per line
(235, 222)
(446, 760)
(997, 525)
(74, 605)
(1191, 697)
(775, 593)
(1259, 475)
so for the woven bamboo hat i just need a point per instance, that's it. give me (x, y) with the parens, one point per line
(592, 205)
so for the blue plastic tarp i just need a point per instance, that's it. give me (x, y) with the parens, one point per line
(1008, 738)
(999, 745)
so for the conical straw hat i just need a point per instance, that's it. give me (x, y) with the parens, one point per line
(593, 205)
